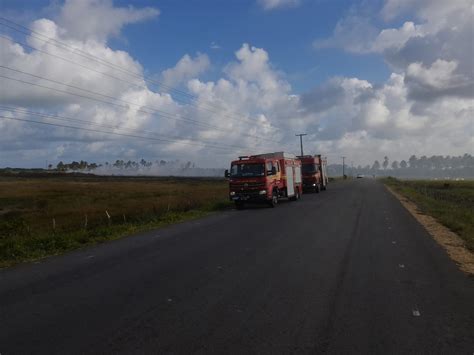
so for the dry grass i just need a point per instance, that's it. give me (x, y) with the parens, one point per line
(47, 215)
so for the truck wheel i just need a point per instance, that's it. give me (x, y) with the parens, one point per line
(324, 188)
(239, 205)
(297, 196)
(274, 201)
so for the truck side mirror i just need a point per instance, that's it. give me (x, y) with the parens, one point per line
(226, 173)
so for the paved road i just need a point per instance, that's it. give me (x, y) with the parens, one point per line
(344, 271)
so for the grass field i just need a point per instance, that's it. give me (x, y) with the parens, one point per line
(47, 215)
(450, 202)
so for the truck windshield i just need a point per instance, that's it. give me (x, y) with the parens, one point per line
(247, 170)
(309, 168)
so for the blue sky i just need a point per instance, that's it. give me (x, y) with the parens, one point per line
(287, 34)
(191, 26)
(363, 78)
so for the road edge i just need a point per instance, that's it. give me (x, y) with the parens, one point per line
(449, 240)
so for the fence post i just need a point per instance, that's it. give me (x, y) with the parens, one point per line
(108, 216)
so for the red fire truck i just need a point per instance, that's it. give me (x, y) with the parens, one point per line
(264, 178)
(314, 169)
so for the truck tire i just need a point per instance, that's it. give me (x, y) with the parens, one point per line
(239, 205)
(297, 195)
(274, 201)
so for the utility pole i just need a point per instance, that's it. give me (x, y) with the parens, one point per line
(301, 141)
(343, 160)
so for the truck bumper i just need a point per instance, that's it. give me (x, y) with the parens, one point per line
(309, 186)
(249, 197)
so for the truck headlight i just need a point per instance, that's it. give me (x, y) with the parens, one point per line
(262, 192)
(314, 184)
(232, 193)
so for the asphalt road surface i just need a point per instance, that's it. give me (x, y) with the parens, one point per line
(348, 270)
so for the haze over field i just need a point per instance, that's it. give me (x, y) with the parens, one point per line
(210, 81)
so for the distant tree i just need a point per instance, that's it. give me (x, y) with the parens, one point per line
(413, 161)
(376, 165)
(436, 161)
(385, 162)
(403, 164)
(60, 166)
(467, 160)
(395, 165)
(50, 166)
(423, 162)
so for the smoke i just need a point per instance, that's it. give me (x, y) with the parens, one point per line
(162, 168)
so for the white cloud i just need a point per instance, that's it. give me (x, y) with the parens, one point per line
(275, 4)
(186, 68)
(353, 33)
(99, 19)
(439, 76)
(393, 38)
(434, 49)
(436, 10)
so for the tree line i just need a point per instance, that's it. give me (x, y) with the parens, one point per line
(424, 166)
(424, 162)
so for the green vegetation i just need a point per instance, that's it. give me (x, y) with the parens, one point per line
(450, 202)
(47, 215)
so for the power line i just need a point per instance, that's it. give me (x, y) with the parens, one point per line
(343, 165)
(140, 109)
(161, 141)
(100, 94)
(67, 119)
(248, 121)
(301, 135)
(89, 56)
(83, 54)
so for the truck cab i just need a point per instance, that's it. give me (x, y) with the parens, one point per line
(314, 170)
(264, 178)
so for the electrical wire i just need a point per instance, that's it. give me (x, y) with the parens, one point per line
(89, 56)
(70, 119)
(159, 140)
(247, 121)
(157, 112)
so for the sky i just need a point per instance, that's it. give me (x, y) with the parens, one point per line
(207, 81)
